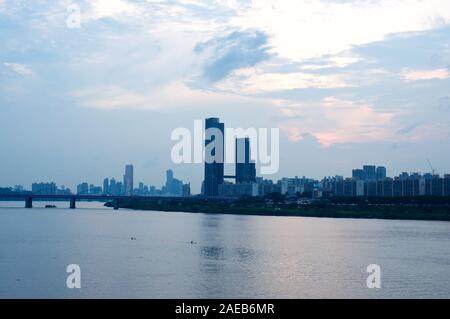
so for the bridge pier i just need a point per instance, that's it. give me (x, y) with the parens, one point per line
(73, 203)
(29, 202)
(116, 204)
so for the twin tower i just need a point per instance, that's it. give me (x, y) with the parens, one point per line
(245, 170)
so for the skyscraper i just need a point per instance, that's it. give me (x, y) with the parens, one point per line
(381, 173)
(173, 186)
(44, 188)
(169, 177)
(370, 172)
(106, 186)
(358, 174)
(128, 180)
(245, 167)
(214, 169)
(83, 189)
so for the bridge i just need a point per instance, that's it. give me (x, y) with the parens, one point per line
(72, 199)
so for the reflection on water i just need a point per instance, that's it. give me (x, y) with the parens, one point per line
(216, 256)
(212, 252)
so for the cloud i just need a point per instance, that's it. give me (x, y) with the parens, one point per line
(340, 60)
(112, 8)
(19, 68)
(336, 121)
(425, 50)
(409, 129)
(423, 75)
(306, 29)
(237, 50)
(250, 81)
(109, 97)
(173, 95)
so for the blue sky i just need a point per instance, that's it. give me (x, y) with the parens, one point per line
(347, 83)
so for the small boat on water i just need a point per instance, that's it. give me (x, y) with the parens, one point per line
(50, 206)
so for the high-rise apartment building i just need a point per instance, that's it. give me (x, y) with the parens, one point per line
(128, 180)
(245, 167)
(214, 162)
(44, 188)
(381, 173)
(106, 186)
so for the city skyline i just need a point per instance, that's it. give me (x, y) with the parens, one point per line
(215, 178)
(370, 180)
(368, 174)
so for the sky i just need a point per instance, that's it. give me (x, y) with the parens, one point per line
(347, 83)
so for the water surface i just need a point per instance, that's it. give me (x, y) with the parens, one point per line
(183, 255)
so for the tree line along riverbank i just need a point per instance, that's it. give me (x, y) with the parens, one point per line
(405, 209)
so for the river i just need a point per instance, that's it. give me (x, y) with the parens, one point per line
(143, 254)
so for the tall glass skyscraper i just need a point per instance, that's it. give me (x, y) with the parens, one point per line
(245, 167)
(214, 171)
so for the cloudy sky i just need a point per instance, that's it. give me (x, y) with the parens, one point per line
(347, 82)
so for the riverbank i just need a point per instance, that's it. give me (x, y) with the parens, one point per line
(399, 212)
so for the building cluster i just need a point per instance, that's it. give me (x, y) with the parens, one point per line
(113, 187)
(404, 185)
(214, 184)
(369, 181)
(370, 185)
(175, 187)
(172, 187)
(46, 189)
(246, 183)
(217, 184)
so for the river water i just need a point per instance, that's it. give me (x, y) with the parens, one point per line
(143, 254)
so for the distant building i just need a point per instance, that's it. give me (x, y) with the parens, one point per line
(266, 187)
(63, 191)
(295, 186)
(173, 186)
(115, 188)
(404, 185)
(381, 173)
(83, 189)
(370, 172)
(387, 188)
(370, 188)
(245, 167)
(437, 186)
(95, 190)
(238, 190)
(106, 190)
(348, 187)
(141, 190)
(358, 174)
(187, 190)
(447, 185)
(44, 188)
(128, 180)
(214, 167)
(18, 189)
